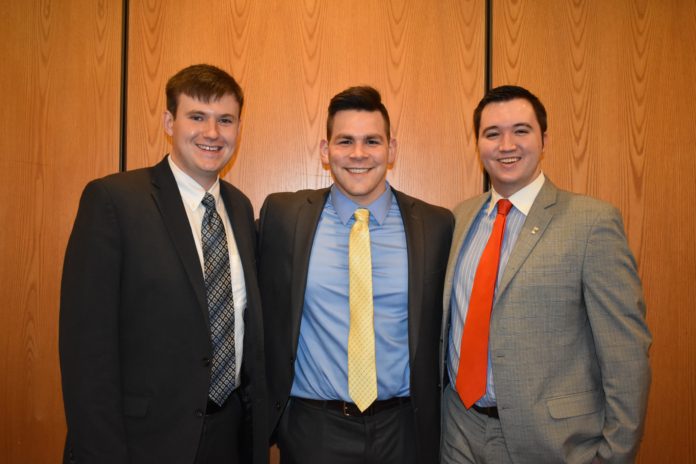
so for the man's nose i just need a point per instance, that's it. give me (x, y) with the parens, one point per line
(507, 142)
(211, 129)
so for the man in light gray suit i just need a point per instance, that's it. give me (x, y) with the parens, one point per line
(566, 375)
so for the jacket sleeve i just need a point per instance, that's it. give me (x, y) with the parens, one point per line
(616, 311)
(89, 332)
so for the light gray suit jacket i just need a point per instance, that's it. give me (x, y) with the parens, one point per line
(568, 338)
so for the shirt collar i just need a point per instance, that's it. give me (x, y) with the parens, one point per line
(191, 191)
(345, 207)
(523, 199)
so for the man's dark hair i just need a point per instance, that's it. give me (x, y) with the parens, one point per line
(202, 82)
(362, 98)
(506, 93)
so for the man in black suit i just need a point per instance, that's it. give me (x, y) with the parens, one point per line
(308, 301)
(152, 333)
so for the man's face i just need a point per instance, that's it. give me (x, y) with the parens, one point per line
(204, 136)
(510, 145)
(359, 154)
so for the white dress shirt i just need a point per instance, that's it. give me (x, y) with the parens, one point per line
(192, 195)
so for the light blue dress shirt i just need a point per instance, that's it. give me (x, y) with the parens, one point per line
(321, 365)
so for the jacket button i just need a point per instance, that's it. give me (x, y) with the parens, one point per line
(199, 413)
(277, 405)
(206, 362)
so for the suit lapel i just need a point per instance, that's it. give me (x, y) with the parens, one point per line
(532, 230)
(415, 248)
(243, 235)
(464, 218)
(168, 199)
(305, 230)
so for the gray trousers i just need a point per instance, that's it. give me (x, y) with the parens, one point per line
(468, 436)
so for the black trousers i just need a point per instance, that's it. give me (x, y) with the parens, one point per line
(221, 438)
(311, 434)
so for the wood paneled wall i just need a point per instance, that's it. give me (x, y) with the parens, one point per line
(615, 76)
(617, 79)
(60, 83)
(291, 57)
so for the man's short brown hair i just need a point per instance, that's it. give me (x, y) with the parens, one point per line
(203, 82)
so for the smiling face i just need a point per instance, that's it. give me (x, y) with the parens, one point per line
(510, 144)
(204, 136)
(359, 154)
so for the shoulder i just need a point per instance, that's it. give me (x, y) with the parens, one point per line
(470, 205)
(234, 194)
(584, 207)
(120, 179)
(295, 199)
(424, 209)
(120, 185)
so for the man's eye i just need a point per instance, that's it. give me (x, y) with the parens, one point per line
(491, 135)
(225, 121)
(373, 142)
(196, 117)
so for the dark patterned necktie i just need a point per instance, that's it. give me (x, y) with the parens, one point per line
(218, 286)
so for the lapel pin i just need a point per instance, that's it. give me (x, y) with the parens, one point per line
(535, 230)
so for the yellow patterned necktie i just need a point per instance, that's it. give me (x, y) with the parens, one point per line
(362, 373)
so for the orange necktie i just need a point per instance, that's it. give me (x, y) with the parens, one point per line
(473, 354)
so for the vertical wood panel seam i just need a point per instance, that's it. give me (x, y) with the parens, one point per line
(122, 165)
(487, 69)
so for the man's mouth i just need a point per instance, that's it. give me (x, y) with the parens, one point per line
(208, 147)
(510, 160)
(357, 170)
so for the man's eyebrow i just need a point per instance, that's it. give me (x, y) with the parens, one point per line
(489, 128)
(516, 125)
(203, 113)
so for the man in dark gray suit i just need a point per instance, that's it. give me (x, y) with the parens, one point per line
(161, 336)
(566, 374)
(304, 281)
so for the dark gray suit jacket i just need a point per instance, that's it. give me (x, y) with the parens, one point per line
(288, 223)
(134, 335)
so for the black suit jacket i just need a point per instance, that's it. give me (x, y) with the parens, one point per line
(134, 334)
(288, 223)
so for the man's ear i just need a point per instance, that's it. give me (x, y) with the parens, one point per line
(168, 122)
(324, 152)
(391, 157)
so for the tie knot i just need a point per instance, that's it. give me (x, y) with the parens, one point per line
(504, 207)
(362, 215)
(208, 201)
